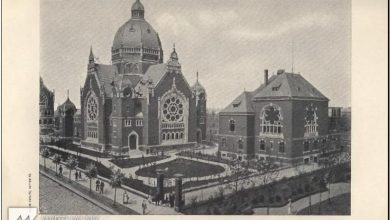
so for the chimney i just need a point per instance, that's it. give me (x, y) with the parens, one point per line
(266, 77)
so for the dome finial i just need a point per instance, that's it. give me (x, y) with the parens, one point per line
(197, 75)
(67, 94)
(174, 49)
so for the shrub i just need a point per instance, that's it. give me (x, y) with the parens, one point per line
(278, 198)
(271, 200)
(261, 199)
(216, 211)
(300, 190)
(307, 187)
(254, 201)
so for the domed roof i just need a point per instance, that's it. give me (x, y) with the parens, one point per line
(197, 87)
(136, 32)
(67, 105)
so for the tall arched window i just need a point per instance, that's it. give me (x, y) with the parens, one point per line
(271, 121)
(311, 121)
(232, 125)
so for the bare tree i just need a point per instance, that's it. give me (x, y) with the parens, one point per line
(269, 173)
(71, 164)
(116, 181)
(56, 161)
(237, 174)
(45, 154)
(91, 172)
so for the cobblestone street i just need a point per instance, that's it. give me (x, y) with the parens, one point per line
(55, 199)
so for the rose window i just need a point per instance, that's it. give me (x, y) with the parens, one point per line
(92, 108)
(173, 109)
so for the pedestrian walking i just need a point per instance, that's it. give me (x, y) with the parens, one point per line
(289, 207)
(101, 187)
(125, 198)
(97, 185)
(76, 175)
(80, 176)
(60, 169)
(144, 207)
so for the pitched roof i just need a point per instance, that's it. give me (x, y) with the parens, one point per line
(289, 85)
(123, 80)
(242, 104)
(156, 72)
(106, 75)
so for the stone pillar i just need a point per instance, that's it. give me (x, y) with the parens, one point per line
(178, 192)
(160, 184)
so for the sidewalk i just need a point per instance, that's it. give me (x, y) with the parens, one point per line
(335, 190)
(134, 202)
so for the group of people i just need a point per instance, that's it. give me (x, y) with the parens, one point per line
(168, 199)
(99, 186)
(78, 175)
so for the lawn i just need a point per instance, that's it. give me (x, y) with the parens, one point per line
(340, 205)
(188, 168)
(133, 162)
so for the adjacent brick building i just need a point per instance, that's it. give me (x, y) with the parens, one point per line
(285, 119)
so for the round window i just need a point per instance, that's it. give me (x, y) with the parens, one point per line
(173, 109)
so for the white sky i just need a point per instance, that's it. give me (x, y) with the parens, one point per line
(230, 42)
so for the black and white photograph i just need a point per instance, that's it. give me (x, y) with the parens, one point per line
(179, 107)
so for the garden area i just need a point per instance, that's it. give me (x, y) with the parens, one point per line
(339, 205)
(68, 145)
(104, 171)
(188, 168)
(200, 155)
(275, 194)
(133, 162)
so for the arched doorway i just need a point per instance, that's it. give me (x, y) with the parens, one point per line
(133, 141)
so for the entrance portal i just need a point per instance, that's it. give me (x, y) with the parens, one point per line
(133, 142)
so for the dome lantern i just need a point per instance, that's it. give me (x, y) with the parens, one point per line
(137, 10)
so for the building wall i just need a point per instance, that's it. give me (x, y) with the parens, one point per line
(272, 142)
(298, 113)
(244, 124)
(153, 110)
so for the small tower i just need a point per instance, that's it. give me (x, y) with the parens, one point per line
(91, 61)
(201, 109)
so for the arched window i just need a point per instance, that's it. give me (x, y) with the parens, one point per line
(271, 120)
(262, 145)
(232, 125)
(181, 135)
(163, 136)
(177, 135)
(281, 147)
(168, 136)
(240, 144)
(306, 146)
(311, 121)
